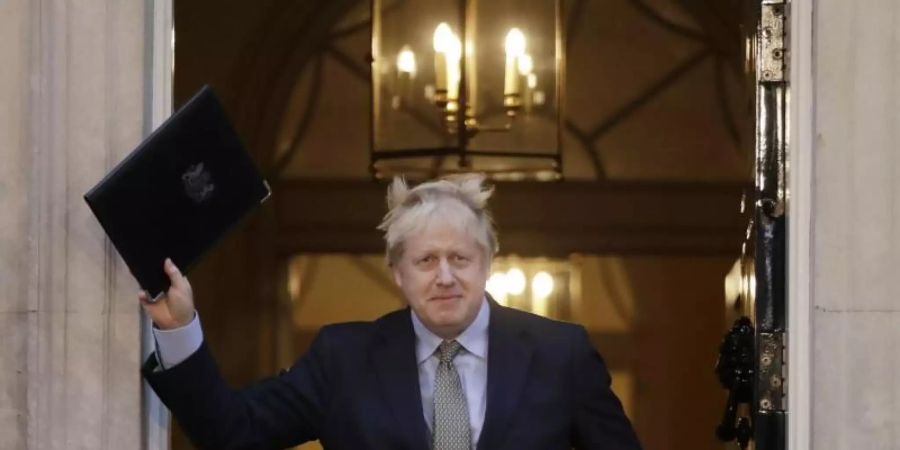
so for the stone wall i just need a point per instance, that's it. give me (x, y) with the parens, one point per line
(73, 102)
(856, 225)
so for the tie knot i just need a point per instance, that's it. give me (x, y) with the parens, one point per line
(448, 350)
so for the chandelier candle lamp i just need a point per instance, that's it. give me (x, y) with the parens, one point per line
(467, 85)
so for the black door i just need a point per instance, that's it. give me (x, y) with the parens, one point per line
(751, 364)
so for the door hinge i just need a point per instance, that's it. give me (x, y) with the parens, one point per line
(772, 372)
(772, 52)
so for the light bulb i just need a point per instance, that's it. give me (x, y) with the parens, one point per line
(406, 60)
(515, 281)
(526, 64)
(443, 36)
(515, 43)
(542, 285)
(496, 286)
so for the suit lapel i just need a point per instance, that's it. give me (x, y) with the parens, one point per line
(395, 363)
(509, 358)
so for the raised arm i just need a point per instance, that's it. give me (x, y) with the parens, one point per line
(277, 412)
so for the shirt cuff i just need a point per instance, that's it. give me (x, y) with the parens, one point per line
(176, 345)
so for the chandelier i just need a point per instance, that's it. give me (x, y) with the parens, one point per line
(467, 85)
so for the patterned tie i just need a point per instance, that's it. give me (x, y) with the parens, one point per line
(451, 416)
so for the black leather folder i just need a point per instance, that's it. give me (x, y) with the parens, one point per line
(178, 192)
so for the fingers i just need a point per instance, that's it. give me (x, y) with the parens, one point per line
(145, 298)
(179, 299)
(147, 303)
(175, 276)
(157, 311)
(176, 307)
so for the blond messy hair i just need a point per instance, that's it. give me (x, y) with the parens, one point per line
(457, 200)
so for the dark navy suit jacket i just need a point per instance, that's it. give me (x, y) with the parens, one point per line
(358, 388)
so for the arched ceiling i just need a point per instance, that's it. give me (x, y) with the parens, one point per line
(655, 89)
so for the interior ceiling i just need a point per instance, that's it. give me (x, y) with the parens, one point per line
(655, 89)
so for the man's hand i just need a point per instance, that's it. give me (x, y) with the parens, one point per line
(176, 307)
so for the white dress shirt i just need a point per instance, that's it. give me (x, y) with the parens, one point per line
(470, 363)
(176, 345)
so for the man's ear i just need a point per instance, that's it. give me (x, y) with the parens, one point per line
(397, 278)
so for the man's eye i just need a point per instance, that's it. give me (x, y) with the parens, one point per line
(460, 258)
(427, 259)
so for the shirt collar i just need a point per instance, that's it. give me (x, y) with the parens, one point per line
(474, 338)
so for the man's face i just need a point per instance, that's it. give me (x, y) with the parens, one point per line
(442, 273)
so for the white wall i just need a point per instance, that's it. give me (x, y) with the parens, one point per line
(856, 225)
(72, 91)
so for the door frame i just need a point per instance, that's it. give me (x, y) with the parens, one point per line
(159, 64)
(801, 135)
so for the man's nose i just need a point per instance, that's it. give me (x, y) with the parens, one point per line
(445, 273)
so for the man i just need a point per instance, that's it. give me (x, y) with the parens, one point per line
(453, 371)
